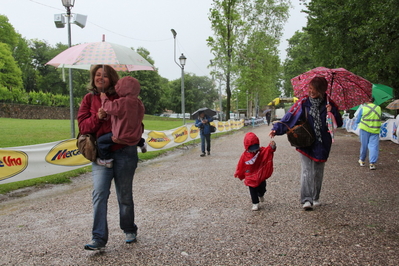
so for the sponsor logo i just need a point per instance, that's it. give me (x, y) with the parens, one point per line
(180, 134)
(157, 140)
(194, 131)
(227, 126)
(12, 163)
(66, 153)
(220, 126)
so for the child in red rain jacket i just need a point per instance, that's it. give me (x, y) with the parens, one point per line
(255, 166)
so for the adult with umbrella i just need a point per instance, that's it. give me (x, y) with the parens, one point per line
(104, 59)
(313, 109)
(203, 116)
(92, 119)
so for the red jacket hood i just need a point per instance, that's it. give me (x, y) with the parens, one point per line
(250, 139)
(128, 86)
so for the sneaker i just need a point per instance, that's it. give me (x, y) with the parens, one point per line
(144, 148)
(361, 163)
(209, 153)
(202, 154)
(100, 162)
(255, 207)
(109, 163)
(262, 199)
(372, 166)
(130, 238)
(307, 206)
(94, 245)
(316, 203)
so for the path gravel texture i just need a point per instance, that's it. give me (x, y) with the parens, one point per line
(192, 211)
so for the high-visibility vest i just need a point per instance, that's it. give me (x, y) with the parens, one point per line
(371, 118)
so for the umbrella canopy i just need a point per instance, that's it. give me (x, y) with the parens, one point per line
(206, 110)
(344, 88)
(267, 111)
(381, 94)
(85, 55)
(393, 105)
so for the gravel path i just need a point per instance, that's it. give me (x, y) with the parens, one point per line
(192, 211)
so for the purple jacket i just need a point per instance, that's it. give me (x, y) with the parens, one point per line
(318, 151)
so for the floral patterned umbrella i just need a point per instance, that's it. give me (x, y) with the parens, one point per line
(344, 88)
(83, 56)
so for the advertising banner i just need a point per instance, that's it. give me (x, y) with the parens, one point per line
(27, 162)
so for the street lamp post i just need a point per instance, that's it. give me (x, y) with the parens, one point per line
(59, 21)
(68, 4)
(182, 60)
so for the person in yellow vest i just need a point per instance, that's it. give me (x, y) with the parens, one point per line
(369, 122)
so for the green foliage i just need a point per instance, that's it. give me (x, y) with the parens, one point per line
(246, 37)
(10, 74)
(361, 36)
(198, 92)
(299, 59)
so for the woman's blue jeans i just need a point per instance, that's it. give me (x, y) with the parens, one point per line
(124, 166)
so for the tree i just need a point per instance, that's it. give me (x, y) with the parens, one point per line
(10, 74)
(299, 59)
(246, 36)
(198, 92)
(152, 88)
(361, 36)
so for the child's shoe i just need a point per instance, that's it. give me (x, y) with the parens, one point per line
(255, 207)
(144, 148)
(100, 161)
(109, 163)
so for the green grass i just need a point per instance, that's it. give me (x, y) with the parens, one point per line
(22, 132)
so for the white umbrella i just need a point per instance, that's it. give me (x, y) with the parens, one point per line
(83, 56)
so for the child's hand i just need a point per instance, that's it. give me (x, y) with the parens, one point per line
(273, 144)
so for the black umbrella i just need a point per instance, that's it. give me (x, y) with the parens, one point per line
(207, 111)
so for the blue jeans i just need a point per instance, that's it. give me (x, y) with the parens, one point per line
(205, 138)
(124, 166)
(372, 143)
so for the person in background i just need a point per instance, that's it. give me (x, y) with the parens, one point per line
(268, 117)
(313, 158)
(255, 166)
(202, 122)
(92, 119)
(369, 122)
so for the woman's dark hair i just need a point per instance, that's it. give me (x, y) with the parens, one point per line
(112, 76)
(320, 84)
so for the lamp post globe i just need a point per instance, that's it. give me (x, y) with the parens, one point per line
(68, 3)
(182, 60)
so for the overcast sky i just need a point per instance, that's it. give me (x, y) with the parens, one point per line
(134, 23)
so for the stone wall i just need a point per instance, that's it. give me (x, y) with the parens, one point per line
(24, 111)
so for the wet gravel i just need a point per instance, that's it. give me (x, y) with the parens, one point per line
(192, 211)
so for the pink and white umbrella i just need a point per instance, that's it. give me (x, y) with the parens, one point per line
(346, 89)
(85, 55)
